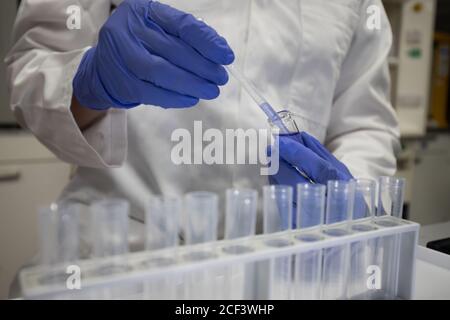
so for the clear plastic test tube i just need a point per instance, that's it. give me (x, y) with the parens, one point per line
(240, 217)
(162, 222)
(110, 227)
(201, 222)
(340, 202)
(390, 205)
(391, 197)
(58, 238)
(308, 265)
(110, 239)
(201, 217)
(277, 207)
(362, 253)
(365, 203)
(310, 205)
(339, 211)
(59, 233)
(240, 223)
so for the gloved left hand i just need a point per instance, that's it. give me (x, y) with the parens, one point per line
(306, 153)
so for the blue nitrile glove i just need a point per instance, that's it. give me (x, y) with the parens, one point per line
(151, 53)
(336, 169)
(304, 152)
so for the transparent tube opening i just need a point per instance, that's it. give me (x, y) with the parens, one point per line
(59, 233)
(162, 222)
(277, 208)
(365, 198)
(310, 205)
(340, 202)
(241, 208)
(387, 253)
(391, 196)
(110, 227)
(201, 217)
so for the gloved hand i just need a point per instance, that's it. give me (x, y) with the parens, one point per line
(304, 152)
(151, 53)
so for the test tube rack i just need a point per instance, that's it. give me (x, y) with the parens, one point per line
(242, 268)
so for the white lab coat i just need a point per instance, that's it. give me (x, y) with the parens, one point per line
(316, 58)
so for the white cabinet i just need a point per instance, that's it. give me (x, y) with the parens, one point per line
(410, 63)
(30, 176)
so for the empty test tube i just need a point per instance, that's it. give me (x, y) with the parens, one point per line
(201, 222)
(240, 222)
(241, 208)
(162, 222)
(308, 265)
(390, 205)
(391, 196)
(310, 205)
(162, 226)
(340, 202)
(110, 239)
(58, 239)
(59, 233)
(277, 207)
(276, 273)
(202, 214)
(339, 211)
(110, 227)
(365, 198)
(362, 253)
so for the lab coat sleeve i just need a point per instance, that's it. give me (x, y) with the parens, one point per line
(363, 131)
(40, 69)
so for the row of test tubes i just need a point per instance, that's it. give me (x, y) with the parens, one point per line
(335, 210)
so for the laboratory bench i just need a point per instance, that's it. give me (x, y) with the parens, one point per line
(433, 267)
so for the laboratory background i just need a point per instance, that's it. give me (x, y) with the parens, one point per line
(31, 176)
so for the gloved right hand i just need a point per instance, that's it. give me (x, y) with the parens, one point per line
(151, 53)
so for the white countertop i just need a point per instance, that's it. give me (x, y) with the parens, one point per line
(432, 275)
(433, 267)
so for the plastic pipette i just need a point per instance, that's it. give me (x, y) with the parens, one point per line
(258, 98)
(263, 105)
